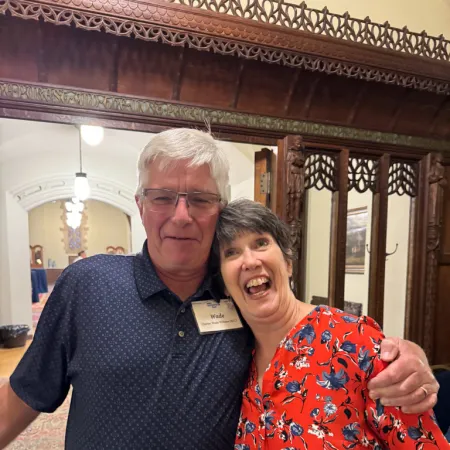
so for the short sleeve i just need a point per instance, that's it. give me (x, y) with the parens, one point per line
(40, 379)
(393, 427)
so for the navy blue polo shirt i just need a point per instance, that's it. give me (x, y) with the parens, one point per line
(142, 375)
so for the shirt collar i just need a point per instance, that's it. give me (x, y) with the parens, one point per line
(148, 283)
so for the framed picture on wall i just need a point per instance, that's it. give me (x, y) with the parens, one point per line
(355, 255)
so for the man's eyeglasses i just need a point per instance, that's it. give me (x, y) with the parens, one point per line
(165, 201)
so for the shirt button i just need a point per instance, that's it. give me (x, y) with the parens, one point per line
(182, 310)
(181, 333)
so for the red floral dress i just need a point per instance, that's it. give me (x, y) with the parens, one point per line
(316, 397)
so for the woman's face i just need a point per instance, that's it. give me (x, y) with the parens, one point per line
(256, 274)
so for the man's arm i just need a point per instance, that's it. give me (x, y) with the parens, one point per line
(408, 381)
(15, 415)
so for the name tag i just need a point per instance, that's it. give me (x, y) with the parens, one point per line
(212, 317)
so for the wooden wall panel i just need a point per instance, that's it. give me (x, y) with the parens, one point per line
(78, 59)
(18, 55)
(146, 68)
(264, 90)
(209, 79)
(416, 104)
(332, 100)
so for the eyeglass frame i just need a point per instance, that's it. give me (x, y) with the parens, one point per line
(144, 192)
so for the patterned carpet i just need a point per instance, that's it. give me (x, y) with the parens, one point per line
(46, 432)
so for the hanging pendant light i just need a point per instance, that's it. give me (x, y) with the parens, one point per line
(81, 185)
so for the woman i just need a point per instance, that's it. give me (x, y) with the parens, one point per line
(308, 382)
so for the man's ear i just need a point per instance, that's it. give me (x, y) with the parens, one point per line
(138, 201)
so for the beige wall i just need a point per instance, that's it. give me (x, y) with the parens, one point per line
(106, 224)
(356, 285)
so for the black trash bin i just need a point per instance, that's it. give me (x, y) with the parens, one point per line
(12, 336)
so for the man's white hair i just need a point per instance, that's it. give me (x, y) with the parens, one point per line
(185, 144)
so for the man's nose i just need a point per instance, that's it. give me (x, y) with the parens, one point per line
(250, 261)
(181, 214)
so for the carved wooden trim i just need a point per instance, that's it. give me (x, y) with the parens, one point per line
(84, 102)
(377, 267)
(403, 178)
(340, 26)
(290, 207)
(321, 171)
(437, 181)
(421, 306)
(338, 237)
(178, 25)
(362, 174)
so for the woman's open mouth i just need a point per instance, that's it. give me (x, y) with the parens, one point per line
(258, 285)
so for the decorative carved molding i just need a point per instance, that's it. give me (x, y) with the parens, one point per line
(295, 188)
(321, 172)
(403, 179)
(27, 94)
(207, 32)
(437, 181)
(362, 174)
(323, 22)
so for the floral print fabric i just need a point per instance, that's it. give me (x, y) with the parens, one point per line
(315, 393)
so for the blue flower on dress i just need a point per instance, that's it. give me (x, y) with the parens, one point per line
(241, 447)
(250, 427)
(311, 351)
(307, 332)
(348, 347)
(330, 409)
(331, 324)
(326, 337)
(296, 429)
(333, 380)
(315, 412)
(289, 345)
(269, 417)
(380, 408)
(351, 432)
(414, 433)
(293, 387)
(364, 359)
(350, 319)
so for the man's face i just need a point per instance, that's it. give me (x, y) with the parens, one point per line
(178, 240)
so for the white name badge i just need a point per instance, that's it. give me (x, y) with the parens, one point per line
(212, 317)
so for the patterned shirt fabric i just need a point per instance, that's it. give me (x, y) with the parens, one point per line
(315, 393)
(142, 375)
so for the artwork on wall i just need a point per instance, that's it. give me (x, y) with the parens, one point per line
(356, 240)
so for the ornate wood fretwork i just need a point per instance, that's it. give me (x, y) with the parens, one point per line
(49, 98)
(362, 174)
(178, 26)
(403, 179)
(321, 172)
(341, 26)
(295, 188)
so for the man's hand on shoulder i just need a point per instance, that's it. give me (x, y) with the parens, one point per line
(408, 381)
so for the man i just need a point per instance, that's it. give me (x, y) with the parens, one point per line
(126, 332)
(81, 255)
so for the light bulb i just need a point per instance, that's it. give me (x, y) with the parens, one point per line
(81, 186)
(92, 135)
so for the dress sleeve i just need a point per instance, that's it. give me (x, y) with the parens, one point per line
(393, 427)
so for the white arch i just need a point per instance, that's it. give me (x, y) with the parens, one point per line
(60, 186)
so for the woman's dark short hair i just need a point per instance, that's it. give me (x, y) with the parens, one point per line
(241, 216)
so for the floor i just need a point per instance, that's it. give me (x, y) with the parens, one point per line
(9, 358)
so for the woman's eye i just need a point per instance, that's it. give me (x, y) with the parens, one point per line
(229, 252)
(262, 242)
